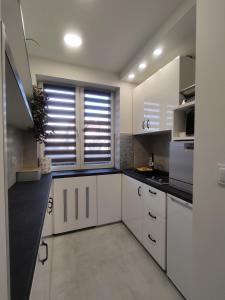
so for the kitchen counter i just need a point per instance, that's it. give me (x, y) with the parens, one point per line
(164, 187)
(79, 173)
(27, 206)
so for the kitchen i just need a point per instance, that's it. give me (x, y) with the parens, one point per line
(113, 176)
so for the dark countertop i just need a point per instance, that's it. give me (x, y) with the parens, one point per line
(164, 188)
(27, 207)
(90, 172)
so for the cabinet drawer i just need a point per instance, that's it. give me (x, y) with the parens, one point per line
(154, 239)
(154, 201)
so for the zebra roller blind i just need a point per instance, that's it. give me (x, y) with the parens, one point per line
(97, 127)
(61, 145)
(81, 120)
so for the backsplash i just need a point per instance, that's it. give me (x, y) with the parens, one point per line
(145, 145)
(14, 153)
(126, 151)
(21, 152)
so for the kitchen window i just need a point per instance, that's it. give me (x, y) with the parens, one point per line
(81, 120)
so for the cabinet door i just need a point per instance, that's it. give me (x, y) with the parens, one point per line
(155, 99)
(154, 224)
(179, 244)
(154, 238)
(41, 280)
(109, 198)
(74, 203)
(154, 201)
(139, 124)
(48, 224)
(153, 104)
(168, 92)
(132, 208)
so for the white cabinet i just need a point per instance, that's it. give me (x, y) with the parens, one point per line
(155, 98)
(48, 224)
(179, 244)
(109, 198)
(132, 205)
(144, 213)
(154, 223)
(75, 204)
(41, 280)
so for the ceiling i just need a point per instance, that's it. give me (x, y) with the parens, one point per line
(113, 31)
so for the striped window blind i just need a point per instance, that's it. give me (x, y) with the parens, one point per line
(97, 127)
(61, 145)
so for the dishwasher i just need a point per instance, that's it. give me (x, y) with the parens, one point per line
(179, 244)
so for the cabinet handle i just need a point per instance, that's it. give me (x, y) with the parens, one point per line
(152, 216)
(87, 202)
(153, 193)
(76, 204)
(43, 244)
(153, 240)
(65, 205)
(148, 124)
(181, 202)
(143, 124)
(139, 191)
(50, 205)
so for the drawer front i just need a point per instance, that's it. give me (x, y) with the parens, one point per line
(155, 201)
(154, 239)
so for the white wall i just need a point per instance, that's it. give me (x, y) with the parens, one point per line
(209, 197)
(54, 69)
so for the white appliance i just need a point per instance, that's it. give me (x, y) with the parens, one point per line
(179, 244)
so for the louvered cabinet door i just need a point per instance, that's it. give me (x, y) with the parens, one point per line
(74, 203)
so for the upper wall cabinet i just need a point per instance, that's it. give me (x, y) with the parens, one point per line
(15, 40)
(155, 99)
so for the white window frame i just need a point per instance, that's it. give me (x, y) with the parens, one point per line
(79, 109)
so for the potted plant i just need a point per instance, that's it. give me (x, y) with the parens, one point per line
(39, 106)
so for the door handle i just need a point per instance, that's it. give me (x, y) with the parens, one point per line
(153, 240)
(152, 216)
(50, 205)
(181, 202)
(43, 244)
(148, 124)
(139, 191)
(143, 124)
(153, 193)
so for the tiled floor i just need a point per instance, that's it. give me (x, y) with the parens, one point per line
(106, 263)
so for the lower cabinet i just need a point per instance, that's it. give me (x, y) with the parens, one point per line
(132, 205)
(154, 223)
(41, 281)
(48, 224)
(179, 244)
(75, 204)
(144, 213)
(109, 198)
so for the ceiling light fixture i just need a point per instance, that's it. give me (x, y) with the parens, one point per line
(131, 76)
(72, 40)
(157, 51)
(142, 66)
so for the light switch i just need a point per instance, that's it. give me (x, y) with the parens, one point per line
(221, 174)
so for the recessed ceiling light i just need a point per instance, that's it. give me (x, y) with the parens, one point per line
(142, 66)
(72, 40)
(157, 51)
(131, 76)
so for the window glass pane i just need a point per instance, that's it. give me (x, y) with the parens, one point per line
(61, 145)
(97, 127)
